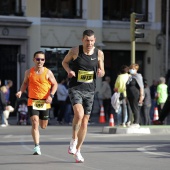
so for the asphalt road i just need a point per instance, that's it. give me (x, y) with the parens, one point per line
(100, 151)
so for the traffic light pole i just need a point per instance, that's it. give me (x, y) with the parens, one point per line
(134, 33)
(132, 39)
(132, 52)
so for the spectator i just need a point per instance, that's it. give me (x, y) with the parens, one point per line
(106, 96)
(68, 107)
(120, 86)
(164, 113)
(166, 108)
(135, 93)
(7, 94)
(146, 104)
(68, 111)
(3, 104)
(23, 112)
(162, 93)
(62, 94)
(153, 89)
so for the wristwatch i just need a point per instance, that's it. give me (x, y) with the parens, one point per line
(52, 96)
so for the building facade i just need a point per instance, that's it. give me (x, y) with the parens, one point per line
(55, 26)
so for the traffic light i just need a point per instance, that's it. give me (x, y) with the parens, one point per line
(135, 26)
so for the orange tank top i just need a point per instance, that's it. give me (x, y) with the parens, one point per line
(39, 86)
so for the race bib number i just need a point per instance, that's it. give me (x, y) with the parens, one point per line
(85, 76)
(39, 105)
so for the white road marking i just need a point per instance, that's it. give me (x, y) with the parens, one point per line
(55, 158)
(148, 149)
(8, 136)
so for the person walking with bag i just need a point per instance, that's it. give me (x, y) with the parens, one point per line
(120, 86)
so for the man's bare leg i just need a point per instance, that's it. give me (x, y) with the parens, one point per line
(82, 132)
(35, 129)
(77, 120)
(35, 134)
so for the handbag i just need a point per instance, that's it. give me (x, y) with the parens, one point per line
(7, 111)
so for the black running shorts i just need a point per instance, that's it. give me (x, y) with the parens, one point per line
(82, 97)
(43, 114)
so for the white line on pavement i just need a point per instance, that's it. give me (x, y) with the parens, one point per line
(152, 148)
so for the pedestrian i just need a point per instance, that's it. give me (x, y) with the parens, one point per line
(166, 108)
(62, 93)
(120, 86)
(42, 86)
(106, 97)
(164, 113)
(162, 94)
(3, 104)
(146, 104)
(68, 111)
(9, 84)
(87, 61)
(153, 89)
(23, 112)
(135, 93)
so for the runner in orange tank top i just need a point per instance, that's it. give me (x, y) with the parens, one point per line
(42, 86)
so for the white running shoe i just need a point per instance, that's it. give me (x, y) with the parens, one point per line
(37, 150)
(78, 157)
(72, 148)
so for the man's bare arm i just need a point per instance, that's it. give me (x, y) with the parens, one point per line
(100, 71)
(53, 82)
(72, 54)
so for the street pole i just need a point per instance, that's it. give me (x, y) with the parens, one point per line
(135, 27)
(132, 38)
(132, 52)
(167, 35)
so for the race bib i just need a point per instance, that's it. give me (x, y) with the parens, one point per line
(39, 105)
(85, 76)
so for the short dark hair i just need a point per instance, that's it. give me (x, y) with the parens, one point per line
(38, 52)
(124, 69)
(88, 33)
(9, 82)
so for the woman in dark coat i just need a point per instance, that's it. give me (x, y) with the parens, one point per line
(135, 93)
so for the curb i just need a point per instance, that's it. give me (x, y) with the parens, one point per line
(142, 130)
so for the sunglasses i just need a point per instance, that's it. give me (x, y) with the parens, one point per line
(40, 59)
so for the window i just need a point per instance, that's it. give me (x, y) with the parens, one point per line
(54, 58)
(61, 8)
(121, 10)
(11, 7)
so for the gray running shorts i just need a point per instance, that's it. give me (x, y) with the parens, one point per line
(82, 97)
